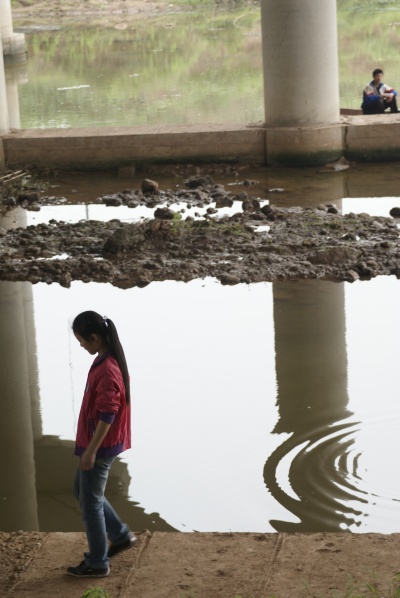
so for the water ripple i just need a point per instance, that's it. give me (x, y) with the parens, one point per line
(322, 476)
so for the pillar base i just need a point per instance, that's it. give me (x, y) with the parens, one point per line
(306, 146)
(14, 47)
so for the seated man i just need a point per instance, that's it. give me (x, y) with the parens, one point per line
(377, 96)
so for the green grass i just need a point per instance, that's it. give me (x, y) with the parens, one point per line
(95, 593)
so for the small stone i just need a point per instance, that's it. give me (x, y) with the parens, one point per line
(198, 181)
(352, 276)
(223, 202)
(201, 196)
(9, 201)
(149, 186)
(30, 197)
(229, 279)
(112, 200)
(164, 214)
(395, 212)
(250, 205)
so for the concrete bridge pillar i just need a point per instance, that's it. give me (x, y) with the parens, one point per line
(4, 124)
(13, 43)
(301, 81)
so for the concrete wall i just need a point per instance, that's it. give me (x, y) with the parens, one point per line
(109, 147)
(359, 138)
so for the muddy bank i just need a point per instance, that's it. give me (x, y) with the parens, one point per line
(259, 242)
(17, 549)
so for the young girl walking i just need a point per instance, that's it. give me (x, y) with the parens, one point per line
(104, 431)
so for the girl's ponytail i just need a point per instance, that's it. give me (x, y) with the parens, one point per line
(118, 352)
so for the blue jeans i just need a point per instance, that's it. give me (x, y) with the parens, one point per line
(99, 517)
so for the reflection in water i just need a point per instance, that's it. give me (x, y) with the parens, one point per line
(311, 368)
(58, 510)
(18, 384)
(38, 470)
(16, 74)
(205, 420)
(18, 483)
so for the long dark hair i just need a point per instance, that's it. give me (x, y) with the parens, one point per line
(90, 322)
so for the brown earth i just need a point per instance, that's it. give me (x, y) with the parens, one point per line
(208, 565)
(64, 8)
(103, 13)
(258, 243)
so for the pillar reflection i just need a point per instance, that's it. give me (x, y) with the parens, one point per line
(38, 469)
(4, 124)
(16, 75)
(311, 369)
(18, 490)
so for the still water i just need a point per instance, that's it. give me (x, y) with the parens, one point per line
(255, 408)
(185, 68)
(262, 407)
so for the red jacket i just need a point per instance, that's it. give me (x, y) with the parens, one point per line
(104, 399)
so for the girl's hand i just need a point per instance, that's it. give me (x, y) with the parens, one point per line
(87, 460)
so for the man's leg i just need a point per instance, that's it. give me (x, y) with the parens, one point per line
(377, 107)
(393, 105)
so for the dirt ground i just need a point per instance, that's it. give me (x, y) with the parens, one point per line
(96, 13)
(43, 8)
(257, 242)
(208, 565)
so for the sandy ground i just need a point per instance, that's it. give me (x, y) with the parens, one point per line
(208, 565)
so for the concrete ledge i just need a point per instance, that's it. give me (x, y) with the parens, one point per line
(91, 148)
(360, 138)
(372, 138)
